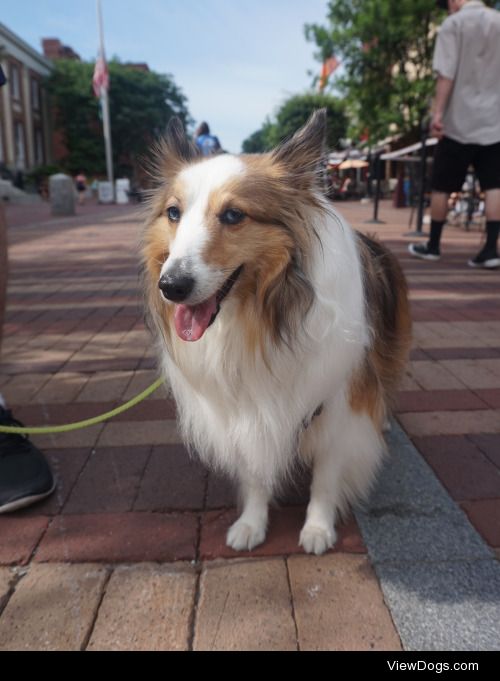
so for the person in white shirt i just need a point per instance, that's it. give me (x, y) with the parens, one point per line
(466, 119)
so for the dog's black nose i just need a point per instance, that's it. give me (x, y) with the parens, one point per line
(176, 288)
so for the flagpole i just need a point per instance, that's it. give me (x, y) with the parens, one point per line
(105, 107)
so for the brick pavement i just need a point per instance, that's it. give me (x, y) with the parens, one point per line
(134, 518)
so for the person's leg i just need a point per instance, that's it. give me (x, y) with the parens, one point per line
(3, 276)
(3, 268)
(492, 209)
(439, 206)
(25, 476)
(488, 255)
(492, 205)
(439, 212)
(488, 168)
(451, 161)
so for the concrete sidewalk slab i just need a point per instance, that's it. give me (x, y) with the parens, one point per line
(146, 607)
(439, 578)
(338, 604)
(233, 611)
(52, 608)
(444, 606)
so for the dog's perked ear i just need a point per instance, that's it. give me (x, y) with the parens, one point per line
(173, 151)
(177, 145)
(303, 153)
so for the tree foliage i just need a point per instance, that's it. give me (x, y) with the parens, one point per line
(140, 103)
(293, 113)
(261, 140)
(386, 49)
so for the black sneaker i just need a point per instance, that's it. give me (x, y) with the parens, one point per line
(25, 475)
(486, 260)
(423, 251)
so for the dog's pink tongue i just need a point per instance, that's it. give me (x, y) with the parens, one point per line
(191, 321)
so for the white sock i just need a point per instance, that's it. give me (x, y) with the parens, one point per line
(2, 402)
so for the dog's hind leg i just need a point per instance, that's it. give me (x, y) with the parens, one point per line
(250, 528)
(345, 448)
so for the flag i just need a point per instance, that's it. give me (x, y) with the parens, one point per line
(100, 80)
(329, 66)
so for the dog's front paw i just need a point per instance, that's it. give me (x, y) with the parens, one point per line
(317, 539)
(244, 537)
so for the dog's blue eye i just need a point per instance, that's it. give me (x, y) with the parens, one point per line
(231, 216)
(173, 214)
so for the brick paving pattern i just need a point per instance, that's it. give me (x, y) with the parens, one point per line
(134, 514)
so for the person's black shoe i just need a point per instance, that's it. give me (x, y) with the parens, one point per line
(423, 251)
(25, 475)
(485, 259)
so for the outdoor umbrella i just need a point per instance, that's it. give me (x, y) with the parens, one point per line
(353, 163)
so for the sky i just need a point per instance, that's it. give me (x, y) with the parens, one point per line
(236, 61)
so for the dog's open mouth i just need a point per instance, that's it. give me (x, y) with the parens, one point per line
(191, 321)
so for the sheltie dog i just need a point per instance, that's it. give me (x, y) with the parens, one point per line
(281, 331)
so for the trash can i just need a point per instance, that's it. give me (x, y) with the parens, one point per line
(122, 190)
(105, 192)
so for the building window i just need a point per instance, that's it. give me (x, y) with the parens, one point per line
(35, 94)
(15, 82)
(39, 155)
(20, 151)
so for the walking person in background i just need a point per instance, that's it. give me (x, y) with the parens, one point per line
(208, 144)
(466, 119)
(81, 187)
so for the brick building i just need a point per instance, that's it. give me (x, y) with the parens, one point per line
(53, 49)
(25, 124)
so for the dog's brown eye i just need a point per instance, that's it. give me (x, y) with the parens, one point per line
(231, 216)
(173, 214)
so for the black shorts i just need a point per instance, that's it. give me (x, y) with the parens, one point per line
(452, 159)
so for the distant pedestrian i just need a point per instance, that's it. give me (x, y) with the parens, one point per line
(81, 187)
(208, 144)
(466, 119)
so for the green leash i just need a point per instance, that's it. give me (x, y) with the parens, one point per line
(87, 422)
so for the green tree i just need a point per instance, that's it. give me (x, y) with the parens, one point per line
(293, 113)
(386, 49)
(261, 140)
(77, 115)
(140, 103)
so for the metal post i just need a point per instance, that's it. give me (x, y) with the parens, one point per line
(423, 176)
(369, 189)
(421, 191)
(375, 220)
(105, 107)
(107, 136)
